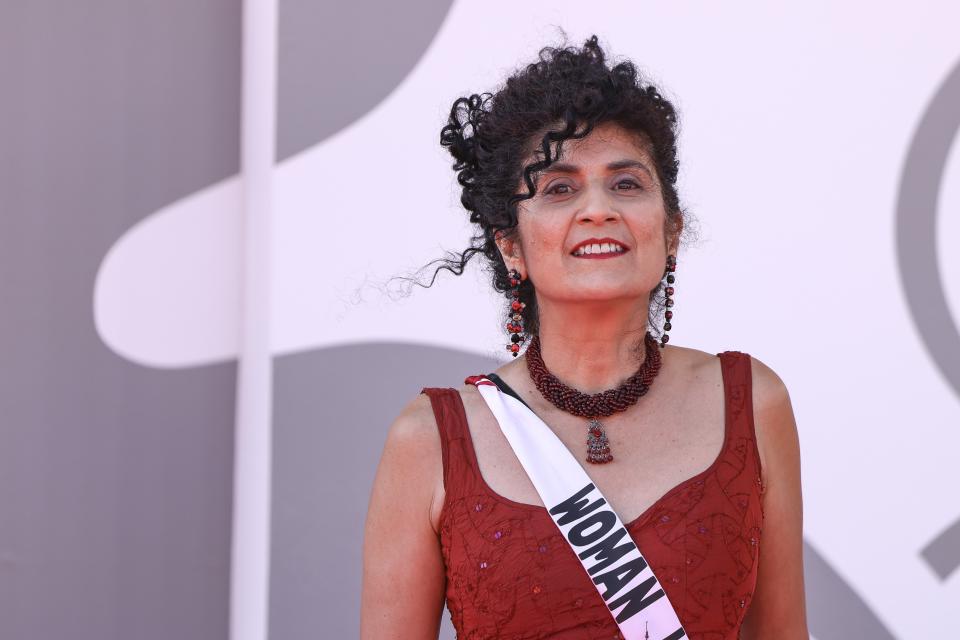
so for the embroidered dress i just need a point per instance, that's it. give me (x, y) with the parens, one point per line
(510, 574)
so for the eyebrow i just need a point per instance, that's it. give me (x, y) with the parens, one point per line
(563, 167)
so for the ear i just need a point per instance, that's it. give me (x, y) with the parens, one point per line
(673, 242)
(511, 252)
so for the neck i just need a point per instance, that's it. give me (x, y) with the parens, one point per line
(593, 347)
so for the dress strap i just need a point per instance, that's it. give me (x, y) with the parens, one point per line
(738, 394)
(460, 468)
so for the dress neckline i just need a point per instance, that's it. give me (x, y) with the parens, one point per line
(503, 386)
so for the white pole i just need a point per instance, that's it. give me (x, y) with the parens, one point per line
(250, 551)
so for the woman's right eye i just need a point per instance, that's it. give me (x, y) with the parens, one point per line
(552, 190)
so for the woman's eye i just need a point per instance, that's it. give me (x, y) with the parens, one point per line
(553, 190)
(633, 182)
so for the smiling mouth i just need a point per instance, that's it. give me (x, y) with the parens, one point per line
(600, 250)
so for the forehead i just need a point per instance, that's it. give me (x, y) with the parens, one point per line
(606, 141)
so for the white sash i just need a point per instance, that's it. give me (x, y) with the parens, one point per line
(592, 529)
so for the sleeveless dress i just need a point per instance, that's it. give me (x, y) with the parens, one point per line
(510, 573)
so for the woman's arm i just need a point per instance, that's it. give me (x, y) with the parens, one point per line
(778, 609)
(403, 573)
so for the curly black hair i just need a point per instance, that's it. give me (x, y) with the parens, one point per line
(534, 112)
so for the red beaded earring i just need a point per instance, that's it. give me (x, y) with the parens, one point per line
(514, 318)
(668, 314)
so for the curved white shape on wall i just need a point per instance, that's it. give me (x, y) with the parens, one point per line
(167, 293)
(350, 213)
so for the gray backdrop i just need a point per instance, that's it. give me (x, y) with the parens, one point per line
(115, 479)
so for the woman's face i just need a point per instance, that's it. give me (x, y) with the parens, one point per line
(604, 186)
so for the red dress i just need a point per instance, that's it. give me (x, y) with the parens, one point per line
(510, 574)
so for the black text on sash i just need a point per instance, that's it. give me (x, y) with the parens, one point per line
(608, 553)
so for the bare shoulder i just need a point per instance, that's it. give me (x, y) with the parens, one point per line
(692, 365)
(401, 530)
(470, 397)
(769, 390)
(772, 408)
(774, 422)
(411, 467)
(773, 419)
(415, 425)
(689, 361)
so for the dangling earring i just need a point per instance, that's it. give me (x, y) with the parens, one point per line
(668, 314)
(514, 318)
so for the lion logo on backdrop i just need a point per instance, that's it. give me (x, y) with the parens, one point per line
(916, 215)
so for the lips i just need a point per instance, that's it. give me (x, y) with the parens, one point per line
(599, 247)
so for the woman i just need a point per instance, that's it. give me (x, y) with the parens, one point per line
(569, 171)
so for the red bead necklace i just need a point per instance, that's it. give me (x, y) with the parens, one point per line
(596, 405)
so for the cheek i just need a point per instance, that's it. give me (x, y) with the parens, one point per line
(649, 231)
(540, 238)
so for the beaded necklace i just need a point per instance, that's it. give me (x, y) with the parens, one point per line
(596, 405)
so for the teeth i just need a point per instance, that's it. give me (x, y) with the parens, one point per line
(606, 247)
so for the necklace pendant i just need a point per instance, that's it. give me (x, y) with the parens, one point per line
(598, 447)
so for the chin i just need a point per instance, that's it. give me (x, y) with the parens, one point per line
(584, 293)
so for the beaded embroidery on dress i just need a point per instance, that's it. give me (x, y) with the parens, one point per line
(510, 574)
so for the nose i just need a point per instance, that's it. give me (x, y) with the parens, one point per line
(598, 206)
